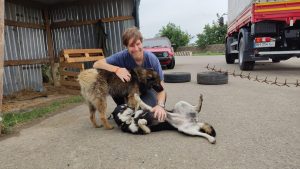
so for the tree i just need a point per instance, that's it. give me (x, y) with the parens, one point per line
(212, 34)
(175, 34)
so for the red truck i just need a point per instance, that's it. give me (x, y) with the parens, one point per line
(262, 30)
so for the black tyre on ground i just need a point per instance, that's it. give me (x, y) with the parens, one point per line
(177, 77)
(172, 64)
(275, 60)
(230, 58)
(212, 78)
(244, 65)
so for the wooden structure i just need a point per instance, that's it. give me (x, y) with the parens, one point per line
(72, 62)
(36, 31)
(1, 57)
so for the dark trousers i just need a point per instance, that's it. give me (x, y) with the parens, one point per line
(149, 98)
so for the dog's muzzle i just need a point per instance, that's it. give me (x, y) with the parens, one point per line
(158, 88)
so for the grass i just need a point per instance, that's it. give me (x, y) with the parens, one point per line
(207, 54)
(12, 119)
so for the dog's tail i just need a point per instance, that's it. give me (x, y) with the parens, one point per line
(208, 129)
(87, 77)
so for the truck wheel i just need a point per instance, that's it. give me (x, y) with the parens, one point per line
(243, 64)
(172, 64)
(229, 57)
(275, 60)
(212, 78)
(177, 77)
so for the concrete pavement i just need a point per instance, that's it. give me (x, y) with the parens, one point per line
(257, 125)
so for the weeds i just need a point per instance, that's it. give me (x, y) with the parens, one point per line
(12, 119)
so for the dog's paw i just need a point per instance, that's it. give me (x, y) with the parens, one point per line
(108, 127)
(147, 130)
(142, 122)
(212, 140)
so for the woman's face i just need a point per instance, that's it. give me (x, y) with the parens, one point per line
(135, 48)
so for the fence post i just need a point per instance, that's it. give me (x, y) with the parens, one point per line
(1, 57)
(50, 45)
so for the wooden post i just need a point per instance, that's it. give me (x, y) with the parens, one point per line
(1, 57)
(50, 45)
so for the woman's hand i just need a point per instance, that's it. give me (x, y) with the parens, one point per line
(159, 113)
(123, 74)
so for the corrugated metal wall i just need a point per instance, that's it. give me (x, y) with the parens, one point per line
(27, 43)
(86, 36)
(22, 44)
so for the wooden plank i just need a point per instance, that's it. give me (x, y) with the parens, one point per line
(84, 59)
(72, 51)
(67, 4)
(68, 73)
(1, 57)
(25, 62)
(28, 3)
(66, 56)
(117, 18)
(61, 59)
(50, 44)
(24, 24)
(72, 65)
(69, 83)
(65, 24)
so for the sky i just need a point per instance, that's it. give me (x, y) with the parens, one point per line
(190, 15)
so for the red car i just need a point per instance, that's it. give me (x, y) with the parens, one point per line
(162, 48)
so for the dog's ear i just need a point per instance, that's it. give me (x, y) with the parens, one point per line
(153, 80)
(141, 74)
(152, 74)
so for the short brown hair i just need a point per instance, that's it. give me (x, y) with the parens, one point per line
(129, 33)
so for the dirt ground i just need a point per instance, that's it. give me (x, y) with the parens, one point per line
(26, 99)
(257, 125)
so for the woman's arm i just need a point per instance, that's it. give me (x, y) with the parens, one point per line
(122, 73)
(102, 64)
(159, 109)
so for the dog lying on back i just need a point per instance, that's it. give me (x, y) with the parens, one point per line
(131, 121)
(96, 85)
(184, 117)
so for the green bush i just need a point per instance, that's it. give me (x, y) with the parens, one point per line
(212, 34)
(175, 34)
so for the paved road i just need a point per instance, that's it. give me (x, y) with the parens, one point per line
(258, 126)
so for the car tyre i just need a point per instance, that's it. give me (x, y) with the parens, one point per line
(177, 77)
(212, 78)
(172, 64)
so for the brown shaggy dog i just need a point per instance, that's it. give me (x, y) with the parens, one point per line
(96, 85)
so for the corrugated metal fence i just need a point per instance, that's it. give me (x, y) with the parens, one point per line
(23, 44)
(86, 36)
(28, 43)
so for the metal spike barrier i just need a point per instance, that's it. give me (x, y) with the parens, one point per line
(254, 78)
